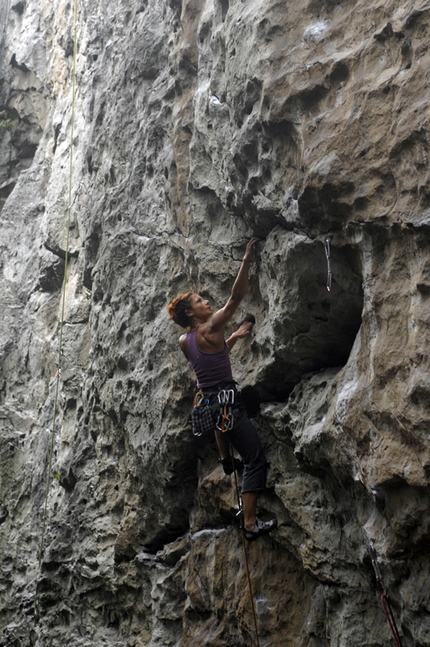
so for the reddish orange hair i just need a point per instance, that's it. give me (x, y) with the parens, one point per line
(177, 307)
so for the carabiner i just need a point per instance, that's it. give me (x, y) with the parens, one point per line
(221, 397)
(228, 422)
(224, 422)
(230, 396)
(226, 396)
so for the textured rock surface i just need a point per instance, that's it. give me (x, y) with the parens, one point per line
(196, 126)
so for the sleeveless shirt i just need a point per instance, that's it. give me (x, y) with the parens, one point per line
(209, 368)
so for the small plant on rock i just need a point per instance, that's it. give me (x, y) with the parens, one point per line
(6, 122)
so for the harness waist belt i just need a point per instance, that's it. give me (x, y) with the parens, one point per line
(215, 390)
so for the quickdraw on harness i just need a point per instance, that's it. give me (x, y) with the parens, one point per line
(225, 419)
(328, 257)
(383, 592)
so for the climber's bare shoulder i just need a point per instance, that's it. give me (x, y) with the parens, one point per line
(183, 344)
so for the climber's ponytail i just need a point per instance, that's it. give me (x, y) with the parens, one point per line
(177, 308)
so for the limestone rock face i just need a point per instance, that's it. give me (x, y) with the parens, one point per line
(141, 145)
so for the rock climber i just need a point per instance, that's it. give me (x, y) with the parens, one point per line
(208, 353)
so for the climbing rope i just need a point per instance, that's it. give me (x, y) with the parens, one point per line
(245, 552)
(71, 202)
(383, 592)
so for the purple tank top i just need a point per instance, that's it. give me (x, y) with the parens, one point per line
(210, 368)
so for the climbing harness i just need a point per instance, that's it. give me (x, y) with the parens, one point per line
(383, 592)
(328, 257)
(71, 202)
(225, 419)
(202, 419)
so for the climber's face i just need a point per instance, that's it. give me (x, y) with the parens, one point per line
(200, 308)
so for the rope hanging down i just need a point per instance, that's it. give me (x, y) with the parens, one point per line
(383, 592)
(71, 202)
(240, 513)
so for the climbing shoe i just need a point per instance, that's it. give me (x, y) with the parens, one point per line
(229, 465)
(261, 528)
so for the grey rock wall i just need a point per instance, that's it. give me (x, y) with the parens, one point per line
(197, 125)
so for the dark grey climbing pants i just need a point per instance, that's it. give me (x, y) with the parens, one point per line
(246, 442)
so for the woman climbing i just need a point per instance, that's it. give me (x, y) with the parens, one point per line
(207, 351)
